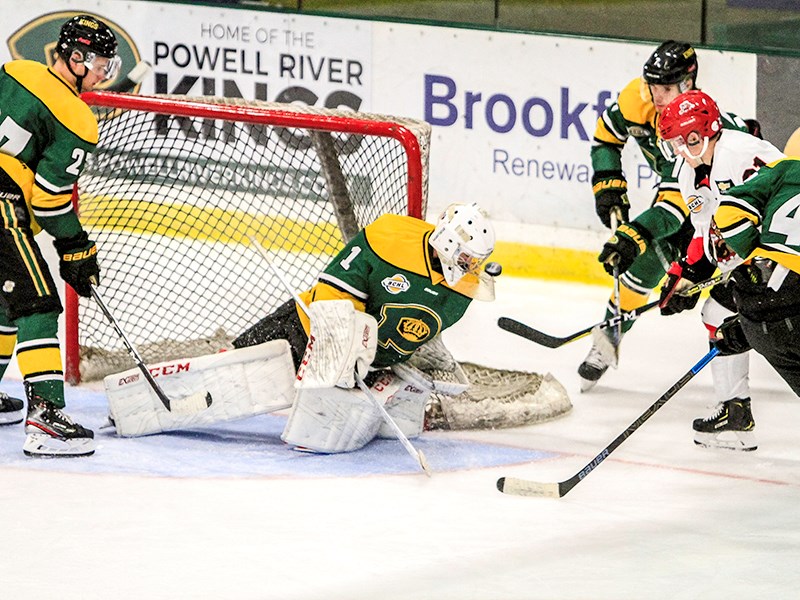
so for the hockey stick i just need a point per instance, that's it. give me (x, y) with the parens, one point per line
(134, 77)
(417, 455)
(617, 337)
(551, 341)
(188, 405)
(524, 487)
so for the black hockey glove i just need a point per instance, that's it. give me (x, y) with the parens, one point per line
(78, 265)
(609, 194)
(729, 338)
(681, 275)
(622, 248)
(754, 128)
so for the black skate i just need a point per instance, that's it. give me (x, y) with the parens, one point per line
(730, 426)
(51, 433)
(11, 410)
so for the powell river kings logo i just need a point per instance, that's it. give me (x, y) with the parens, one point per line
(36, 40)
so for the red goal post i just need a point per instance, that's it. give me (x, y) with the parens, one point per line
(176, 187)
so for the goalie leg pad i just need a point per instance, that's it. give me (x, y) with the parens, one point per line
(331, 420)
(242, 383)
(405, 402)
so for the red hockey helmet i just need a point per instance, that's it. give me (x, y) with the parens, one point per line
(691, 112)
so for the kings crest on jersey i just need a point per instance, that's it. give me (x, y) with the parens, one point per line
(387, 271)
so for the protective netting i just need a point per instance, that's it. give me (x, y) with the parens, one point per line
(176, 190)
(172, 200)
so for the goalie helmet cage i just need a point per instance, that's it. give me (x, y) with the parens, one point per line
(177, 185)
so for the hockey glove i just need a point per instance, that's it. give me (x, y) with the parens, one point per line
(627, 243)
(610, 194)
(754, 128)
(729, 338)
(78, 262)
(683, 274)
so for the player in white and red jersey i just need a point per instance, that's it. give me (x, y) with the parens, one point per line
(710, 161)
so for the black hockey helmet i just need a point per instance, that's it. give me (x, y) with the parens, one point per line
(672, 62)
(86, 33)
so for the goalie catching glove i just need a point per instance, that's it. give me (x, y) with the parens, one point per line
(341, 343)
(78, 262)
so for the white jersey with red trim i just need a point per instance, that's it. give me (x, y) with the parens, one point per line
(737, 156)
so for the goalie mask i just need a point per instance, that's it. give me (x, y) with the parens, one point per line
(689, 120)
(90, 42)
(463, 240)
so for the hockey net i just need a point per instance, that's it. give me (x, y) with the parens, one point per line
(177, 187)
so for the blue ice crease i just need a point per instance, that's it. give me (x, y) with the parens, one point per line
(247, 448)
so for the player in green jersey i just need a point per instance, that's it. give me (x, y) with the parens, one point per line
(660, 234)
(670, 70)
(413, 280)
(48, 133)
(758, 219)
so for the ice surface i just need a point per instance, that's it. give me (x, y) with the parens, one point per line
(230, 512)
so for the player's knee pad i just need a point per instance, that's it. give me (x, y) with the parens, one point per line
(331, 420)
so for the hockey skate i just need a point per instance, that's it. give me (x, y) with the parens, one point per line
(11, 410)
(602, 355)
(51, 433)
(730, 427)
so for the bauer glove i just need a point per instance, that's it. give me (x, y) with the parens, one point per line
(730, 338)
(622, 248)
(610, 194)
(78, 262)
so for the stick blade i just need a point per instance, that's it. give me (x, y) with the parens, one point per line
(522, 330)
(423, 463)
(523, 487)
(192, 404)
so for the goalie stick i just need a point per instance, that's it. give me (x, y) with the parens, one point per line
(188, 405)
(134, 77)
(551, 341)
(417, 455)
(524, 487)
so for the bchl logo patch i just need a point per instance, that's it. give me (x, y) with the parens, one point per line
(396, 284)
(414, 330)
(638, 131)
(695, 203)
